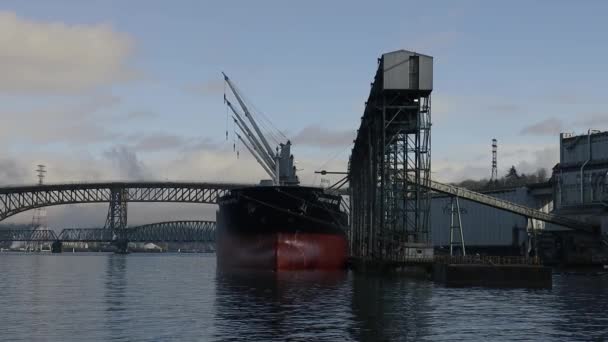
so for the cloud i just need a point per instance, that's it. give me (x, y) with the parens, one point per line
(127, 163)
(527, 158)
(316, 135)
(553, 126)
(544, 158)
(10, 172)
(549, 127)
(159, 141)
(53, 57)
(79, 122)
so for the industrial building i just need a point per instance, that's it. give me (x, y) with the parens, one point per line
(581, 177)
(578, 189)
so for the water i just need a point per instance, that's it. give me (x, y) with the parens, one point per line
(182, 297)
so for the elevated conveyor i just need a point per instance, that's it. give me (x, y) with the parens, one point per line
(501, 205)
(509, 206)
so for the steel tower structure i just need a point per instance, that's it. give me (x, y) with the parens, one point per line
(494, 177)
(39, 216)
(117, 211)
(390, 164)
(39, 213)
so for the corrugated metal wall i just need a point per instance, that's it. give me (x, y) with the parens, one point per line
(482, 225)
(574, 154)
(576, 149)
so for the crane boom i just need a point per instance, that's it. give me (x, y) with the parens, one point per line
(248, 115)
(271, 174)
(250, 136)
(266, 161)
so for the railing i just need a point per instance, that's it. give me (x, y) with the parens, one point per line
(487, 260)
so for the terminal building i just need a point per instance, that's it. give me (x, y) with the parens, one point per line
(578, 188)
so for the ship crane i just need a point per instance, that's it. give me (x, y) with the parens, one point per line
(278, 165)
(257, 149)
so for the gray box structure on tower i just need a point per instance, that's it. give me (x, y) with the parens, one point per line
(406, 70)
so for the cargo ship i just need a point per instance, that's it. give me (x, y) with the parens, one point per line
(278, 224)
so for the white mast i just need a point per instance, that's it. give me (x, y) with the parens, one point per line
(271, 174)
(264, 159)
(250, 136)
(248, 115)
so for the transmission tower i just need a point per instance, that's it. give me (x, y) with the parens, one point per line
(39, 217)
(494, 177)
(39, 213)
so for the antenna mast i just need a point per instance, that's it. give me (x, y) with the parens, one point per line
(494, 177)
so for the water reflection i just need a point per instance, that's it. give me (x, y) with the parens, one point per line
(105, 297)
(270, 306)
(116, 315)
(389, 308)
(581, 302)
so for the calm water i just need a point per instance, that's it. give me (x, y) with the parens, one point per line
(108, 297)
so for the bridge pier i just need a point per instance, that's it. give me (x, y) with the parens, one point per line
(122, 246)
(57, 247)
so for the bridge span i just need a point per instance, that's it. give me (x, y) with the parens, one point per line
(170, 231)
(17, 199)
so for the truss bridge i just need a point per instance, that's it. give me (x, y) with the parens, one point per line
(17, 199)
(171, 231)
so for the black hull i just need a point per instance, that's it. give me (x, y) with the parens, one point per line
(285, 227)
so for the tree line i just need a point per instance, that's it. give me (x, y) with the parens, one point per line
(510, 180)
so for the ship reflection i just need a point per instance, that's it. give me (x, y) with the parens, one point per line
(321, 306)
(296, 305)
(390, 308)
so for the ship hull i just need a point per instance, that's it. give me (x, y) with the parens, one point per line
(262, 228)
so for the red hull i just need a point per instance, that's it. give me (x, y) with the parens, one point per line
(283, 251)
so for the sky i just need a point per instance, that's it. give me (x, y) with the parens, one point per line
(126, 90)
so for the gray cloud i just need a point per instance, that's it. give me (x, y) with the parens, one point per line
(159, 141)
(10, 172)
(53, 57)
(554, 126)
(550, 127)
(80, 122)
(545, 158)
(126, 162)
(316, 135)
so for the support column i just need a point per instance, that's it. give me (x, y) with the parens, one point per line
(116, 220)
(456, 225)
